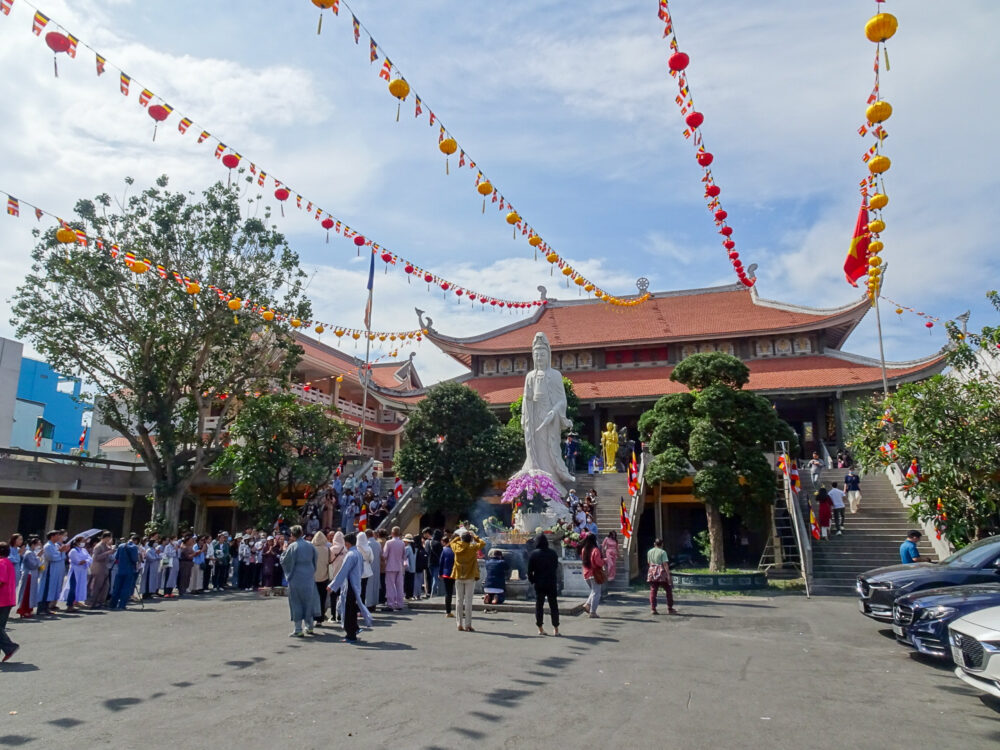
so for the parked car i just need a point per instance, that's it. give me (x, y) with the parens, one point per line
(975, 647)
(878, 589)
(921, 619)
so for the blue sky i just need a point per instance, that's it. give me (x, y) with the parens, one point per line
(569, 109)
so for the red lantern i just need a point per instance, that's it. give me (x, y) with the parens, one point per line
(678, 61)
(386, 257)
(729, 244)
(705, 158)
(428, 277)
(159, 113)
(726, 231)
(230, 161)
(408, 268)
(929, 324)
(748, 282)
(459, 292)
(57, 43)
(721, 215)
(695, 119)
(445, 285)
(472, 296)
(327, 224)
(734, 255)
(282, 195)
(712, 191)
(359, 240)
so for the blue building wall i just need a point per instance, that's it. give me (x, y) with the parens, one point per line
(38, 382)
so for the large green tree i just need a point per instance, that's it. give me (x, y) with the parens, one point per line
(168, 368)
(720, 433)
(456, 446)
(950, 425)
(280, 446)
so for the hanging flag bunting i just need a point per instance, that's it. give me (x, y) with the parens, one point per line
(373, 54)
(878, 30)
(13, 206)
(626, 522)
(125, 80)
(677, 64)
(399, 87)
(100, 64)
(184, 124)
(38, 23)
(204, 134)
(144, 96)
(5, 6)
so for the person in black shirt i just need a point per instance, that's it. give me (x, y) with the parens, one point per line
(543, 568)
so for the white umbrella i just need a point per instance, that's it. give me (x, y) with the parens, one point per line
(85, 534)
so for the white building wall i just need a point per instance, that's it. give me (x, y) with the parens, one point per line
(10, 371)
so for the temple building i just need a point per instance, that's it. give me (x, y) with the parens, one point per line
(620, 359)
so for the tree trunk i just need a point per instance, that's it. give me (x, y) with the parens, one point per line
(167, 505)
(716, 536)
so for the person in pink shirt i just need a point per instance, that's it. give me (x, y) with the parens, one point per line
(8, 597)
(393, 555)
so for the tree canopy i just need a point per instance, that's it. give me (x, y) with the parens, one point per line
(950, 425)
(280, 447)
(719, 433)
(456, 446)
(168, 367)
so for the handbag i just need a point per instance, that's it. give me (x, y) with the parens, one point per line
(658, 574)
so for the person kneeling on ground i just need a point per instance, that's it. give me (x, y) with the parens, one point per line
(495, 586)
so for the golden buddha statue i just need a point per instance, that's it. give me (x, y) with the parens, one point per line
(609, 448)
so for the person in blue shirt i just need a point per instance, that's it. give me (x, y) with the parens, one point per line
(126, 561)
(908, 552)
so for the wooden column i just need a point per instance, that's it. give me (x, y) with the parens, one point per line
(127, 515)
(50, 511)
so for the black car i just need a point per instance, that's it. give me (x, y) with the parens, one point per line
(878, 589)
(921, 619)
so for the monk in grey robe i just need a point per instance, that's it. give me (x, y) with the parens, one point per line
(299, 565)
(100, 571)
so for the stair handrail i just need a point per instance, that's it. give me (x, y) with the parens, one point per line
(795, 512)
(396, 513)
(942, 546)
(365, 468)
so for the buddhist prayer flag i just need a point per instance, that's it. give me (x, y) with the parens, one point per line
(397, 489)
(184, 124)
(73, 41)
(125, 80)
(363, 518)
(856, 263)
(100, 64)
(37, 25)
(813, 525)
(335, 7)
(13, 207)
(5, 6)
(373, 50)
(204, 134)
(418, 110)
(626, 524)
(38, 433)
(38, 213)
(83, 438)
(371, 286)
(357, 28)
(219, 150)
(386, 73)
(145, 96)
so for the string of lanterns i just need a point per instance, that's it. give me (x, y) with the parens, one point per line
(69, 237)
(879, 29)
(900, 309)
(448, 145)
(230, 159)
(677, 64)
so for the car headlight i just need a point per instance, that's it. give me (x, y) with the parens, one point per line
(991, 646)
(937, 613)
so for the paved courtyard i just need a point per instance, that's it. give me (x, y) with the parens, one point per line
(734, 672)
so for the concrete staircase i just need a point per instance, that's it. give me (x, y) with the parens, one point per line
(871, 537)
(610, 489)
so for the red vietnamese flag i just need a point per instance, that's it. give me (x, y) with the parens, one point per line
(856, 263)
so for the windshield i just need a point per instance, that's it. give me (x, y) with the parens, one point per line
(975, 555)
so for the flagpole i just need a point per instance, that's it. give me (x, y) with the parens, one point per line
(368, 346)
(881, 345)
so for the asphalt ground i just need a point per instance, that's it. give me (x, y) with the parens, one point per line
(734, 672)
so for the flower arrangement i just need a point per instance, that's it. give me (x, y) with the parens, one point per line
(572, 541)
(494, 525)
(530, 492)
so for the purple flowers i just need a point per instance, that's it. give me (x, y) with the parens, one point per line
(529, 486)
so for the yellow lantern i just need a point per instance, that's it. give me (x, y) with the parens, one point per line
(876, 226)
(139, 267)
(879, 200)
(322, 5)
(567, 270)
(399, 89)
(268, 315)
(879, 164)
(371, 336)
(899, 311)
(875, 247)
(874, 261)
(234, 304)
(588, 288)
(881, 27)
(879, 111)
(579, 281)
(296, 322)
(512, 219)
(355, 335)
(381, 337)
(485, 188)
(534, 240)
(65, 235)
(552, 257)
(340, 378)
(448, 146)
(320, 328)
(192, 287)
(425, 332)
